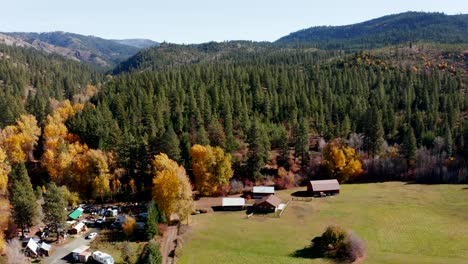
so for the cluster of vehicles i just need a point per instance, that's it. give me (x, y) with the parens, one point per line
(105, 211)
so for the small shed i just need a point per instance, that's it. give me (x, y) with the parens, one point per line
(44, 249)
(262, 191)
(32, 248)
(76, 214)
(267, 204)
(328, 187)
(233, 204)
(81, 253)
(78, 228)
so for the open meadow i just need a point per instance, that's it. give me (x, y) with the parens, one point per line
(400, 223)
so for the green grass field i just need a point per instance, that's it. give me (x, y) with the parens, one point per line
(400, 223)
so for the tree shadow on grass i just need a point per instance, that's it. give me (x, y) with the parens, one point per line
(301, 194)
(466, 188)
(311, 252)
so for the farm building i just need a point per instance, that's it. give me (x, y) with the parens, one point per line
(32, 248)
(81, 253)
(328, 187)
(232, 204)
(267, 204)
(76, 214)
(78, 228)
(262, 191)
(44, 249)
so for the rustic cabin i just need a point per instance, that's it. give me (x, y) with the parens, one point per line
(323, 187)
(233, 204)
(262, 191)
(267, 204)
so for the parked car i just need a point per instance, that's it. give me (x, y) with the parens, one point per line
(101, 220)
(91, 235)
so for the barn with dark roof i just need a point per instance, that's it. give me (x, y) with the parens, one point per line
(327, 187)
(267, 204)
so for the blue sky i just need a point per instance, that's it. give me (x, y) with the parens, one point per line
(201, 20)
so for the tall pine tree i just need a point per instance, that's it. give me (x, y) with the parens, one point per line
(25, 210)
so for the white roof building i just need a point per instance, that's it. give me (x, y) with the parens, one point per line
(264, 189)
(80, 249)
(32, 246)
(233, 202)
(79, 226)
(45, 246)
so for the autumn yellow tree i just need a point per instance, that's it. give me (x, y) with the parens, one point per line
(172, 191)
(99, 169)
(19, 140)
(211, 168)
(129, 226)
(68, 161)
(5, 169)
(341, 162)
(58, 154)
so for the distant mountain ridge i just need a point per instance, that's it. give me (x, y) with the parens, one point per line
(386, 30)
(138, 43)
(88, 49)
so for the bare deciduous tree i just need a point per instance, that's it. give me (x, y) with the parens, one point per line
(14, 254)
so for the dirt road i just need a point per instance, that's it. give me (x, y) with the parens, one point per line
(63, 253)
(168, 244)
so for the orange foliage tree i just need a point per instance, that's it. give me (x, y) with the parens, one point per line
(59, 154)
(341, 162)
(19, 140)
(172, 191)
(211, 168)
(68, 161)
(129, 226)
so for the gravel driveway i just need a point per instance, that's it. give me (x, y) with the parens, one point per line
(63, 253)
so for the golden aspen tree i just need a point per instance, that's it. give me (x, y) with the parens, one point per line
(129, 226)
(19, 140)
(341, 162)
(5, 169)
(184, 205)
(27, 126)
(99, 169)
(11, 140)
(211, 168)
(172, 191)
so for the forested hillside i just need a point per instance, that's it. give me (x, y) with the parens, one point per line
(387, 30)
(28, 78)
(231, 52)
(277, 105)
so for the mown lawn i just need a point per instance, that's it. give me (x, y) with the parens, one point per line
(400, 223)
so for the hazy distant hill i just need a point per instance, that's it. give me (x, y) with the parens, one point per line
(167, 54)
(138, 43)
(90, 49)
(387, 30)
